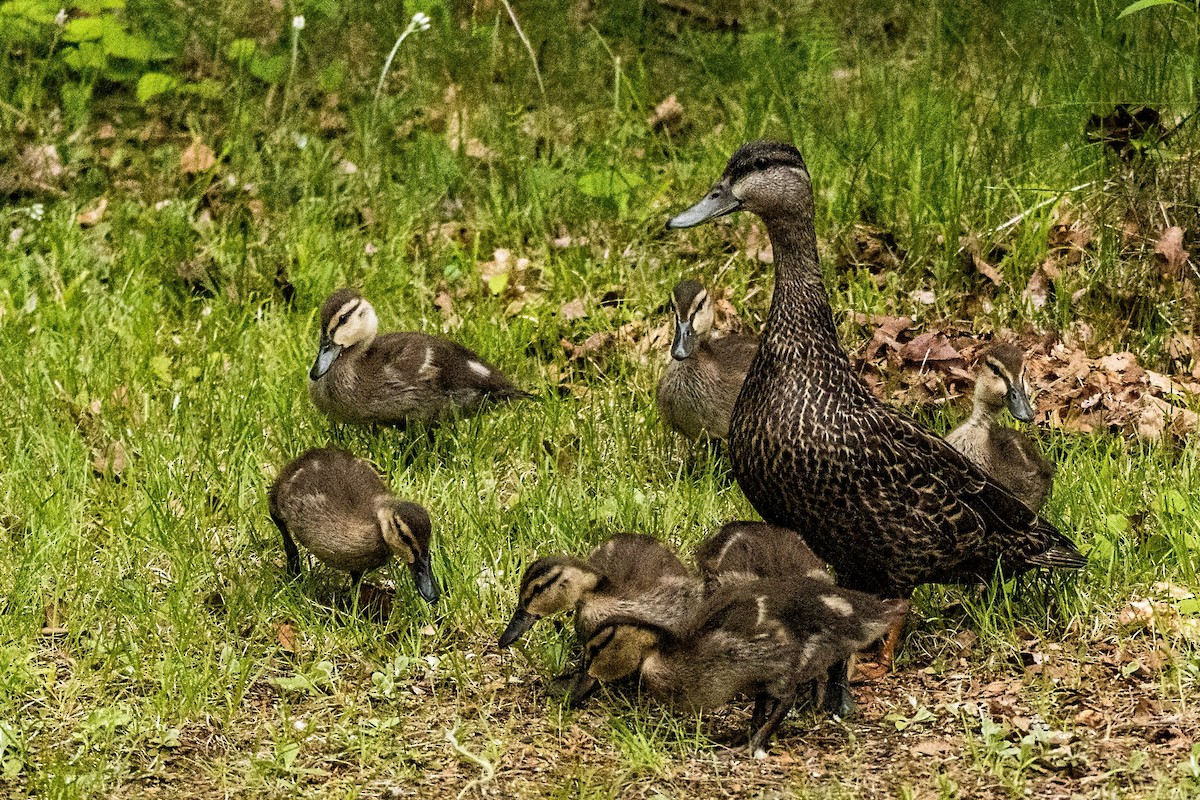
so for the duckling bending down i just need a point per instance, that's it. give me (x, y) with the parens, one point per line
(701, 381)
(395, 378)
(337, 507)
(769, 638)
(630, 573)
(744, 551)
(887, 503)
(1006, 454)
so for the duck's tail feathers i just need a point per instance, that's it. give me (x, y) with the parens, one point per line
(1061, 554)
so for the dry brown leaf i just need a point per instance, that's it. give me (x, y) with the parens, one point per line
(573, 310)
(1157, 417)
(287, 637)
(1037, 291)
(198, 157)
(929, 346)
(93, 214)
(872, 247)
(1172, 258)
(111, 460)
(668, 115)
(885, 334)
(1118, 362)
(970, 243)
(591, 346)
(444, 303)
(42, 164)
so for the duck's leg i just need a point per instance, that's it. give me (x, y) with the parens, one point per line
(289, 547)
(887, 652)
(760, 711)
(883, 658)
(760, 740)
(838, 701)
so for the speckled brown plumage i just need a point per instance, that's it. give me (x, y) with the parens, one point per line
(888, 504)
(395, 378)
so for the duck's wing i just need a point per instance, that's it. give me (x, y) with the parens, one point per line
(949, 487)
(413, 359)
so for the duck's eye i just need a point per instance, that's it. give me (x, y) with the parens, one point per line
(344, 318)
(760, 162)
(996, 371)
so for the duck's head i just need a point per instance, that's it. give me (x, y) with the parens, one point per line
(407, 531)
(693, 317)
(550, 586)
(765, 178)
(1001, 381)
(614, 651)
(347, 319)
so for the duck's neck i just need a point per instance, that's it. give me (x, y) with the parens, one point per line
(800, 328)
(984, 414)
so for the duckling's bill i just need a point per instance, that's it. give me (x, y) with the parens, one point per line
(422, 574)
(717, 203)
(685, 340)
(521, 621)
(325, 358)
(1018, 403)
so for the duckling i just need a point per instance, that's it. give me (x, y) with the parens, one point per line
(767, 637)
(395, 378)
(339, 508)
(744, 551)
(704, 375)
(1005, 454)
(630, 573)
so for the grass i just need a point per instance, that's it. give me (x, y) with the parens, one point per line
(150, 642)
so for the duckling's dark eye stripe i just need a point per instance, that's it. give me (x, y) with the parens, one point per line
(345, 317)
(536, 587)
(600, 641)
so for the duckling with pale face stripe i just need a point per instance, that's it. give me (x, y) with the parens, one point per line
(630, 573)
(395, 378)
(768, 638)
(1007, 455)
(744, 551)
(342, 512)
(704, 375)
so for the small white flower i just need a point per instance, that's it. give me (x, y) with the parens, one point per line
(420, 21)
(298, 22)
(37, 211)
(300, 139)
(60, 19)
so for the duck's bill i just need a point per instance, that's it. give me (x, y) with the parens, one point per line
(585, 686)
(717, 203)
(329, 351)
(521, 621)
(685, 341)
(1018, 404)
(422, 574)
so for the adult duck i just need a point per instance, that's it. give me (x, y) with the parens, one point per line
(887, 503)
